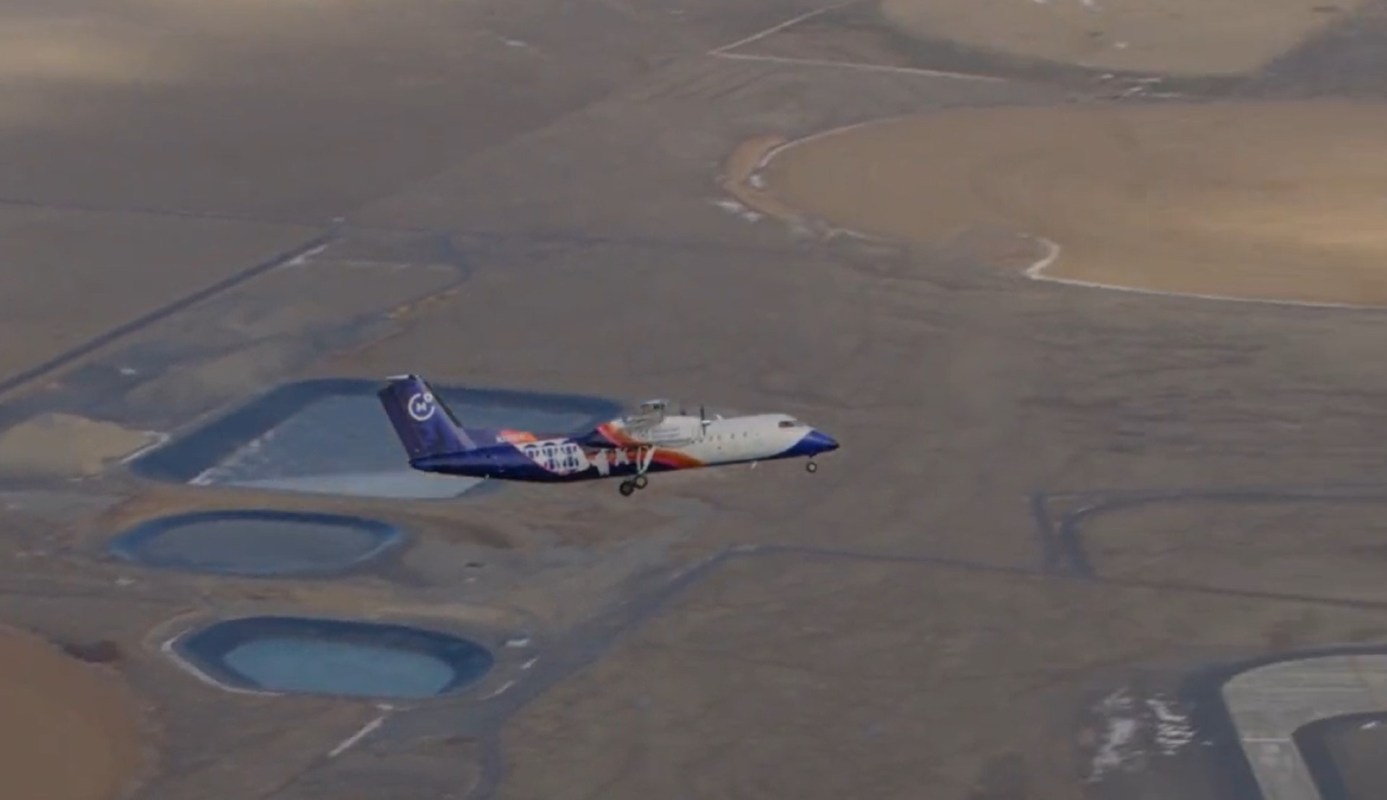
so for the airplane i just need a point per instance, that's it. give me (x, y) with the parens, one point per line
(629, 447)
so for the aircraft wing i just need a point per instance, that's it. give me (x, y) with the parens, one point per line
(641, 430)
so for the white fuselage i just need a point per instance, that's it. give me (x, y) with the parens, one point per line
(677, 442)
(743, 439)
(723, 439)
(649, 440)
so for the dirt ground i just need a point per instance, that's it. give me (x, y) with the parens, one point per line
(80, 740)
(70, 275)
(62, 445)
(1278, 201)
(1136, 544)
(865, 663)
(1182, 37)
(528, 194)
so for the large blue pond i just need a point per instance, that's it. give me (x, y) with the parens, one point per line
(332, 437)
(256, 542)
(335, 657)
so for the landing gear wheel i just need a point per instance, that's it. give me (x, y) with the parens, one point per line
(640, 481)
(811, 467)
(626, 488)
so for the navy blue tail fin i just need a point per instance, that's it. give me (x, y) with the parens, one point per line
(422, 420)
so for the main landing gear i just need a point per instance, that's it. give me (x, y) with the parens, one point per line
(643, 460)
(810, 466)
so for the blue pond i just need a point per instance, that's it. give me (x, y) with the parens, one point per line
(256, 542)
(332, 437)
(335, 657)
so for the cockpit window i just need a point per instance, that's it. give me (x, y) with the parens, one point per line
(789, 423)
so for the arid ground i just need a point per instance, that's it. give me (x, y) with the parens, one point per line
(1063, 512)
(70, 730)
(1277, 201)
(1184, 37)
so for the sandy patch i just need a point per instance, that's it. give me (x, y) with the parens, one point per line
(1182, 37)
(70, 731)
(65, 445)
(1266, 201)
(740, 180)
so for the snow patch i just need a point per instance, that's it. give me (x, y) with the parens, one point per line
(1135, 729)
(734, 207)
(1173, 730)
(223, 471)
(1115, 748)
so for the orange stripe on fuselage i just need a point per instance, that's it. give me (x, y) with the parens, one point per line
(676, 460)
(615, 435)
(668, 458)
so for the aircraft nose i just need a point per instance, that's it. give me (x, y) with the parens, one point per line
(821, 442)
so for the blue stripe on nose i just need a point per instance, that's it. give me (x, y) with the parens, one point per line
(821, 442)
(812, 444)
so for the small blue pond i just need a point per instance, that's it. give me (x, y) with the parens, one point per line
(256, 542)
(335, 657)
(332, 437)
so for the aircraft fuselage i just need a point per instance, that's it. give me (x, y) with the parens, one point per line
(733, 440)
(629, 447)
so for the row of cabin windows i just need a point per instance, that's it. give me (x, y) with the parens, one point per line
(547, 454)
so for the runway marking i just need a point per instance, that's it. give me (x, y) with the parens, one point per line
(499, 691)
(347, 743)
(303, 257)
(158, 440)
(725, 52)
(756, 37)
(858, 65)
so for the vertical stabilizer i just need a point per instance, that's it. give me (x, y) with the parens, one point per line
(422, 420)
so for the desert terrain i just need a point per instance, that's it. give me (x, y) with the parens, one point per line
(1187, 37)
(72, 731)
(1275, 201)
(994, 255)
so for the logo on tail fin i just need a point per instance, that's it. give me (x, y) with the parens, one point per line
(421, 406)
(422, 420)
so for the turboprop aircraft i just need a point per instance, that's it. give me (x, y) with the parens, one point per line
(628, 447)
